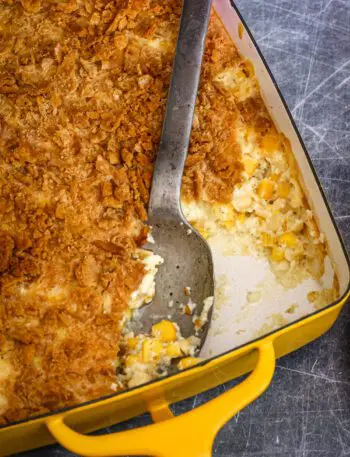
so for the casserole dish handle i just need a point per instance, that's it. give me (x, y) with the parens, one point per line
(191, 434)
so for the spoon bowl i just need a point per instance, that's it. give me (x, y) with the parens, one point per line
(185, 278)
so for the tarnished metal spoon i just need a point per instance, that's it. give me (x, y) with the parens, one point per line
(187, 256)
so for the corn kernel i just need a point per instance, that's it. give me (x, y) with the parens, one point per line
(249, 165)
(188, 362)
(239, 75)
(241, 217)
(275, 177)
(265, 189)
(289, 239)
(132, 342)
(132, 360)
(267, 239)
(201, 229)
(277, 254)
(313, 296)
(270, 143)
(164, 330)
(157, 348)
(205, 233)
(147, 352)
(283, 189)
(173, 350)
(151, 350)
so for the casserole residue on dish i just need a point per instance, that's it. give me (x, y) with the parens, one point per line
(83, 86)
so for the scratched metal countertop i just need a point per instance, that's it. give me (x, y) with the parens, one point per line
(306, 411)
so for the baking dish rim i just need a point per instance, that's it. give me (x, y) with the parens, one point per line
(201, 366)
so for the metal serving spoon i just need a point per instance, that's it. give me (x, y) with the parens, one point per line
(187, 257)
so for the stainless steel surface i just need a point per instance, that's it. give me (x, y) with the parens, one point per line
(187, 257)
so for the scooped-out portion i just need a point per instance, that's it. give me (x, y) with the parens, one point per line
(83, 87)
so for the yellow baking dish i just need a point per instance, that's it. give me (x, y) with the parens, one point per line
(178, 436)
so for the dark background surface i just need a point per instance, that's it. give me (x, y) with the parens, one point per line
(306, 411)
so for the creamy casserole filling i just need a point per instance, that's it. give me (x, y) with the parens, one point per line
(83, 86)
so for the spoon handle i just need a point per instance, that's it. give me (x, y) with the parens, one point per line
(168, 170)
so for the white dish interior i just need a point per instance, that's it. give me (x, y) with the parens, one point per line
(249, 301)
